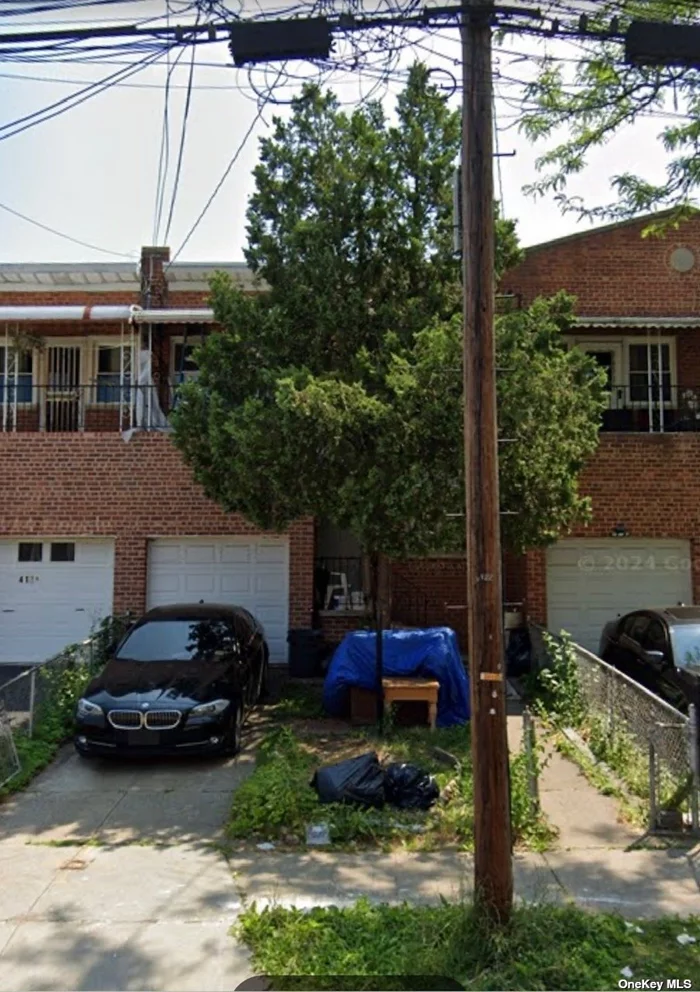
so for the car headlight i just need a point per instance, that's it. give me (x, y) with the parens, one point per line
(86, 708)
(210, 709)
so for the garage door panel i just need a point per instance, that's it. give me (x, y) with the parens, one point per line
(271, 554)
(199, 554)
(591, 582)
(47, 605)
(248, 573)
(236, 584)
(238, 554)
(164, 554)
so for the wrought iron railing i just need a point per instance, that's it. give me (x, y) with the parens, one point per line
(102, 406)
(656, 407)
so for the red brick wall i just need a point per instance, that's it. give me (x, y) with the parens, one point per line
(335, 627)
(614, 272)
(648, 482)
(88, 485)
(442, 581)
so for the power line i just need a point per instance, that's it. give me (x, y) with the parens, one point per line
(60, 234)
(181, 150)
(223, 179)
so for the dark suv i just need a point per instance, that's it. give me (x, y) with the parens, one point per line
(660, 649)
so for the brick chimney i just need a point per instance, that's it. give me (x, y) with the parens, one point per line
(154, 286)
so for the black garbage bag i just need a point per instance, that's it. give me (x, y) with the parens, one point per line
(357, 780)
(409, 787)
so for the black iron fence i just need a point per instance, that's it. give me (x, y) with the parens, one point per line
(657, 407)
(106, 405)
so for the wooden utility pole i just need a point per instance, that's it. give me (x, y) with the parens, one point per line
(493, 869)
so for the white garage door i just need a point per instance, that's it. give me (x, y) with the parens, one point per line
(590, 582)
(253, 573)
(52, 593)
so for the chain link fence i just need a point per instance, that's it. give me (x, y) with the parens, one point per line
(37, 691)
(630, 727)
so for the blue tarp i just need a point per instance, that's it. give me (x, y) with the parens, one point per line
(431, 653)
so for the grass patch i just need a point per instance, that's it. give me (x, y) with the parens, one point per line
(299, 701)
(276, 802)
(543, 947)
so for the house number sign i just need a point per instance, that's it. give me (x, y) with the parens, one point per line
(29, 579)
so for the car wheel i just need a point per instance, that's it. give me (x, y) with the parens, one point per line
(263, 687)
(232, 744)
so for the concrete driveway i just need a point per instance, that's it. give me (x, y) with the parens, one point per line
(110, 878)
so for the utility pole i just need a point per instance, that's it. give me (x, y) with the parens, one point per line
(493, 868)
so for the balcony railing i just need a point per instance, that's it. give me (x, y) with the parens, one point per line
(654, 407)
(338, 584)
(101, 406)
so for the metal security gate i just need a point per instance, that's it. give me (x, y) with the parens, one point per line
(63, 407)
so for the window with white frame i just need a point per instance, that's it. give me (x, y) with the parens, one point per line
(16, 375)
(111, 377)
(649, 368)
(184, 366)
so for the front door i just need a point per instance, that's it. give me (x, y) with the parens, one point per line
(64, 406)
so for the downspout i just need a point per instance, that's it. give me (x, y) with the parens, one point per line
(4, 391)
(650, 394)
(661, 382)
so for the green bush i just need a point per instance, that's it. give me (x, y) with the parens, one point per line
(557, 687)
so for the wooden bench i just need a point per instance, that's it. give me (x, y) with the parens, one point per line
(412, 690)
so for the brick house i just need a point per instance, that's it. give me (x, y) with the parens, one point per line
(99, 511)
(638, 307)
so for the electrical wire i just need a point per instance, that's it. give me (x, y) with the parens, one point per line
(222, 180)
(181, 150)
(61, 234)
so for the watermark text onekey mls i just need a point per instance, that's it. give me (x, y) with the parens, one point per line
(660, 985)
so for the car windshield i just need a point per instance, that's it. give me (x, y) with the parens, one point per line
(177, 640)
(686, 646)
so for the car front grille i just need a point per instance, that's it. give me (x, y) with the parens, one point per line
(162, 719)
(125, 719)
(151, 719)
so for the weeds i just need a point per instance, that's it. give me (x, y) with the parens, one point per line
(277, 802)
(543, 946)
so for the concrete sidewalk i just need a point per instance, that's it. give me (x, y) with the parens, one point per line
(636, 883)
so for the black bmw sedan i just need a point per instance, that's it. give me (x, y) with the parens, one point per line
(179, 682)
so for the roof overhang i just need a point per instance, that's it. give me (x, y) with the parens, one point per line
(638, 323)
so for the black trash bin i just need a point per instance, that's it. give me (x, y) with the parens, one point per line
(305, 653)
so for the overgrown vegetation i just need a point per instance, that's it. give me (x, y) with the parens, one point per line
(59, 685)
(544, 947)
(559, 699)
(277, 802)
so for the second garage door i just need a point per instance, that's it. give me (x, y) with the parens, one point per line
(236, 571)
(590, 582)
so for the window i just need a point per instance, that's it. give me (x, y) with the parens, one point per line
(16, 370)
(184, 366)
(111, 387)
(654, 637)
(643, 363)
(63, 551)
(29, 551)
(635, 627)
(686, 647)
(178, 640)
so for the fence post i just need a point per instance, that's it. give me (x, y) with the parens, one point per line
(653, 813)
(32, 699)
(694, 744)
(530, 744)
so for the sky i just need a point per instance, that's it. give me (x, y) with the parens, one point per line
(91, 172)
